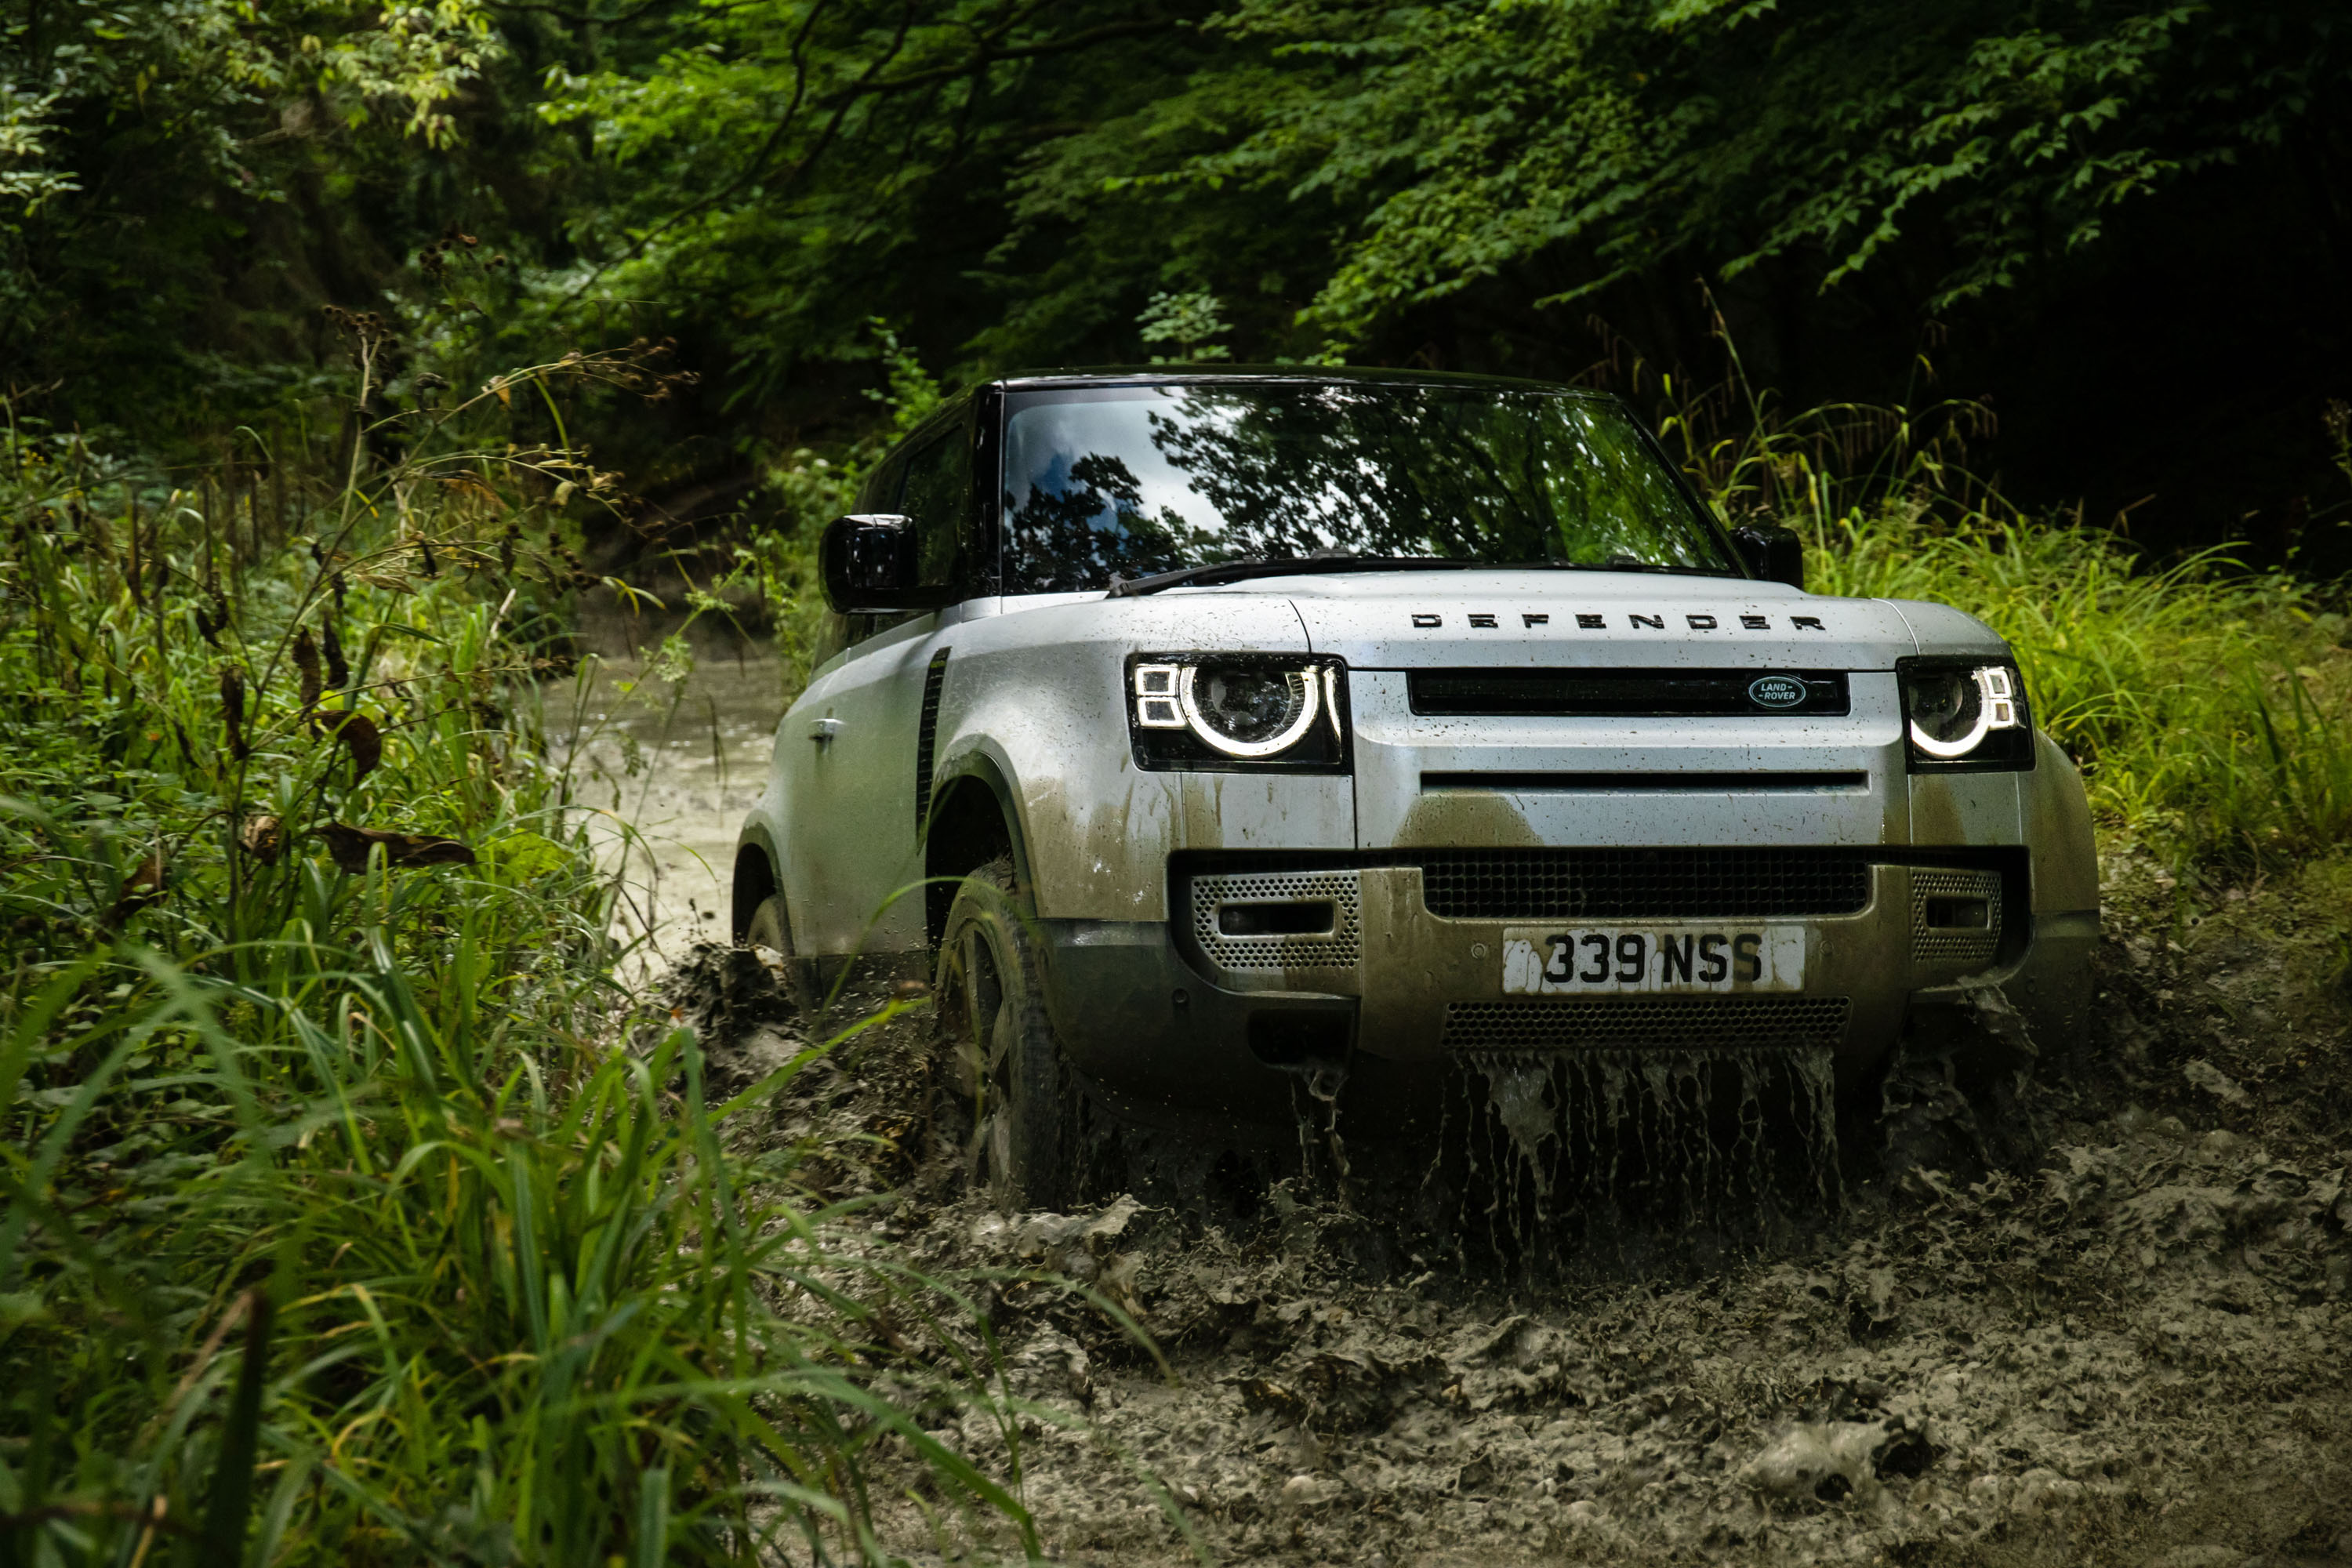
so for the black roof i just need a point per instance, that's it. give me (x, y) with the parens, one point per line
(1209, 375)
(1325, 375)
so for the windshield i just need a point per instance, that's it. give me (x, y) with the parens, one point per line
(1103, 484)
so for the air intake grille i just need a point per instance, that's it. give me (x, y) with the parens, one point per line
(1643, 884)
(1649, 1023)
(1934, 893)
(1336, 950)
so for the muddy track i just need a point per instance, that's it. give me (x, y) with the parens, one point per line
(2124, 1340)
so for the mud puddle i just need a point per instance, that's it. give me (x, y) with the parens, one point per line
(2132, 1349)
(669, 752)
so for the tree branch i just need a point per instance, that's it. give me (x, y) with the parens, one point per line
(577, 18)
(987, 56)
(870, 84)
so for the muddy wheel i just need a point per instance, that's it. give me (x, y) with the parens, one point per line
(769, 928)
(1000, 1051)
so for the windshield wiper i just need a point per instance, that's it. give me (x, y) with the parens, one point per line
(1239, 571)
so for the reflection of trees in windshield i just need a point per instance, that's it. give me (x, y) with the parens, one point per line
(1092, 531)
(1383, 474)
(1282, 472)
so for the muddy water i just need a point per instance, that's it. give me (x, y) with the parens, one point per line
(670, 758)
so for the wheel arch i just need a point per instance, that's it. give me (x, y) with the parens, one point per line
(973, 817)
(759, 874)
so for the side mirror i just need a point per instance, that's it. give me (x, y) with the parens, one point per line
(867, 563)
(1775, 554)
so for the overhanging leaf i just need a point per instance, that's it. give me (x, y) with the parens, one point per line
(360, 736)
(350, 847)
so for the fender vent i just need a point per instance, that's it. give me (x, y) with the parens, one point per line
(927, 735)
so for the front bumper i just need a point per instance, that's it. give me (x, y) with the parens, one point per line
(1208, 1013)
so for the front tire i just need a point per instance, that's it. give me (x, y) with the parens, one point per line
(771, 928)
(1000, 1050)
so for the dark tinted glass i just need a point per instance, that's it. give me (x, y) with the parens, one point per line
(1119, 482)
(937, 495)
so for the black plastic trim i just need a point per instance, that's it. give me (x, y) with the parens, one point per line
(1675, 882)
(1622, 693)
(1759, 781)
(927, 735)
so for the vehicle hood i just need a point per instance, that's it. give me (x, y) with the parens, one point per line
(1540, 619)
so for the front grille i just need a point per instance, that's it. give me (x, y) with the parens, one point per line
(1336, 950)
(1628, 693)
(1643, 884)
(1933, 892)
(1649, 1024)
(1749, 781)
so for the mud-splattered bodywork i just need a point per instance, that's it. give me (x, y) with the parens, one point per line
(1437, 824)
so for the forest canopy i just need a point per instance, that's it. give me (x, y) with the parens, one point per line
(2081, 209)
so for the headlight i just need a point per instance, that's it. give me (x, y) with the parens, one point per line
(1964, 715)
(1219, 710)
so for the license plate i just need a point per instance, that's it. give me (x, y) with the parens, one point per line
(1600, 960)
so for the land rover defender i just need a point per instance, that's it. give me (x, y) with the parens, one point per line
(1198, 732)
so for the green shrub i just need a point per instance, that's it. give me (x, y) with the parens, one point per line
(806, 490)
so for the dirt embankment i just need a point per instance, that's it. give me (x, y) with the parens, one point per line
(2135, 1347)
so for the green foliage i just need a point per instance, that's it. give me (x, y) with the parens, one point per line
(159, 167)
(1384, 157)
(1191, 322)
(348, 1213)
(812, 162)
(1077, 181)
(1463, 139)
(776, 560)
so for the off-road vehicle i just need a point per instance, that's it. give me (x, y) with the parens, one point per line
(1196, 733)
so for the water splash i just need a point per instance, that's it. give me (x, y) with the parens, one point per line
(1527, 1111)
(1550, 1158)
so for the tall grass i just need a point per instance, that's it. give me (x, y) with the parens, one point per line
(348, 1213)
(2210, 704)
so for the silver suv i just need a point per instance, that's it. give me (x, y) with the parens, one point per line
(1195, 733)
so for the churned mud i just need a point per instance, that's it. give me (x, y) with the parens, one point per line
(2129, 1342)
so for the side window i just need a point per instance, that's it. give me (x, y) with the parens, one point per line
(938, 496)
(880, 490)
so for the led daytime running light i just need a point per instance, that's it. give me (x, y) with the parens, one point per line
(1996, 710)
(1307, 709)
